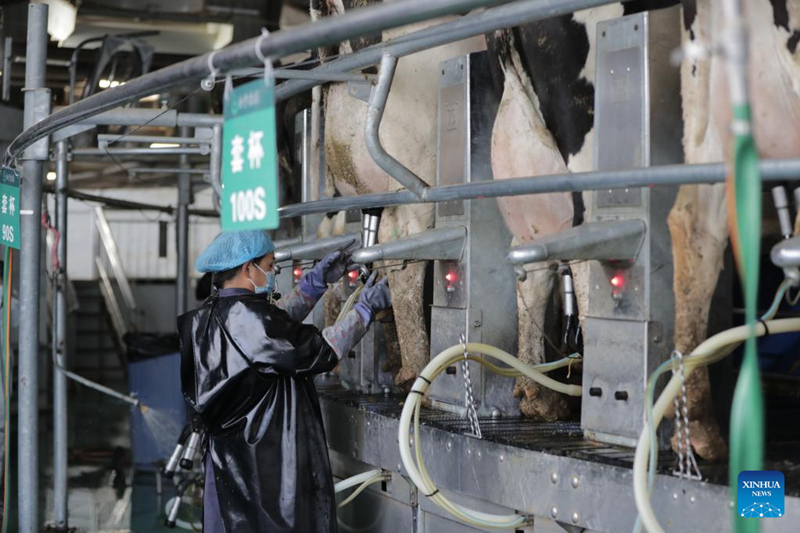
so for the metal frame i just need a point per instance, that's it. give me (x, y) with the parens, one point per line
(376, 105)
(105, 139)
(60, 415)
(550, 485)
(100, 109)
(660, 176)
(37, 106)
(331, 30)
(136, 152)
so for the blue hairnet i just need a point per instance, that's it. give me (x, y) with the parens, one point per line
(232, 249)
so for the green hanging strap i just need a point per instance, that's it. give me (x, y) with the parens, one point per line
(747, 413)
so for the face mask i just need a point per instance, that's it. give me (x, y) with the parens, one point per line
(269, 287)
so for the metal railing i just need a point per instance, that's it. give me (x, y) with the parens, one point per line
(126, 316)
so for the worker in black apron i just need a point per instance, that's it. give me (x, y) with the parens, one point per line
(247, 369)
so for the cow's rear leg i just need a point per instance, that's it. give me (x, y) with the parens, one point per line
(406, 287)
(533, 295)
(699, 238)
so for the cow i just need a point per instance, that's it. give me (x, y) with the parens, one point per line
(408, 136)
(544, 126)
(547, 73)
(698, 221)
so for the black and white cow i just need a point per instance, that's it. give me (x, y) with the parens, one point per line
(544, 126)
(698, 221)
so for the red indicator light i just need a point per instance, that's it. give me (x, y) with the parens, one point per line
(298, 272)
(449, 276)
(617, 281)
(353, 275)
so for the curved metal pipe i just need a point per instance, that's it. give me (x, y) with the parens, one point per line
(365, 21)
(618, 240)
(316, 250)
(476, 23)
(439, 243)
(377, 105)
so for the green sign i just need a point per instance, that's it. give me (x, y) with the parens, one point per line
(9, 208)
(250, 159)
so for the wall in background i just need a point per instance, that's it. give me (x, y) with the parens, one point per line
(140, 238)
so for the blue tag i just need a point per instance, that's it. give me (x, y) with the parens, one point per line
(761, 494)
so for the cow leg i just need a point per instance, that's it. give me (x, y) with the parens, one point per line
(406, 286)
(698, 227)
(533, 295)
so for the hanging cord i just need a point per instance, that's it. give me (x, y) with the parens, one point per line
(7, 276)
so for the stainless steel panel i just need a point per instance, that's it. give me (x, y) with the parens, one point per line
(483, 298)
(451, 293)
(619, 94)
(350, 365)
(448, 325)
(637, 105)
(627, 301)
(451, 165)
(523, 479)
(616, 369)
(432, 523)
(375, 377)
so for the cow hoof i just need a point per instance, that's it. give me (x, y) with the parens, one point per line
(706, 439)
(405, 378)
(541, 403)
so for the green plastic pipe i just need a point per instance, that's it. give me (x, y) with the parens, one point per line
(747, 413)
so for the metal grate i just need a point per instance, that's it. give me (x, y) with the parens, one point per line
(556, 438)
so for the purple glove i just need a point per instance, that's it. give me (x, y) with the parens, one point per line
(329, 270)
(374, 298)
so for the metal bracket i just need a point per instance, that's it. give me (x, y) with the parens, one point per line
(360, 90)
(315, 250)
(615, 240)
(70, 131)
(439, 243)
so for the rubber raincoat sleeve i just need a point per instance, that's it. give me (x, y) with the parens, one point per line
(300, 301)
(343, 336)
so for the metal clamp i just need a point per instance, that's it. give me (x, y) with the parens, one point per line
(269, 71)
(207, 84)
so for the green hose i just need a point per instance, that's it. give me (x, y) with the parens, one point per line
(747, 413)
